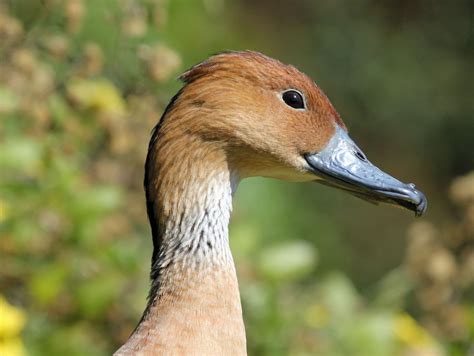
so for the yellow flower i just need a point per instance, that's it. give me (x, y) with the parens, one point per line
(3, 211)
(97, 94)
(12, 347)
(409, 332)
(12, 320)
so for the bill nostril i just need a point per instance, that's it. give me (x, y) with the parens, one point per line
(360, 155)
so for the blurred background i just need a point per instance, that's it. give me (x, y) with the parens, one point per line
(83, 82)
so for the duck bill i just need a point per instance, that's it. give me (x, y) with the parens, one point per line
(343, 165)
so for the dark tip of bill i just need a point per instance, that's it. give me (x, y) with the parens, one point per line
(422, 206)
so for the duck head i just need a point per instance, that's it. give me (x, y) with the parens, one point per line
(274, 121)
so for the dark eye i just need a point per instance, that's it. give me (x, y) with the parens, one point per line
(294, 99)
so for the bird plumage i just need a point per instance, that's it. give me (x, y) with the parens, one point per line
(228, 122)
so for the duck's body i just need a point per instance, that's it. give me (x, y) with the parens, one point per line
(237, 116)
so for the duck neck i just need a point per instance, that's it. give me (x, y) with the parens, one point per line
(194, 303)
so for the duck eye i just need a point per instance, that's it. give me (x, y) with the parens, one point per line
(294, 99)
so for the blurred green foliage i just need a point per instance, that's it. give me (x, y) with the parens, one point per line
(82, 83)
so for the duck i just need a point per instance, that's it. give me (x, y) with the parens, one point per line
(239, 114)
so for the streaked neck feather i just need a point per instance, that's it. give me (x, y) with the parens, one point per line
(194, 304)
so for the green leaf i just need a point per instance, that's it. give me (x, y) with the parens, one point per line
(47, 282)
(288, 261)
